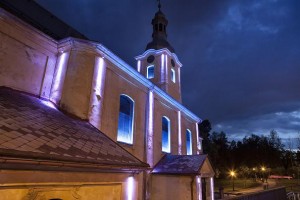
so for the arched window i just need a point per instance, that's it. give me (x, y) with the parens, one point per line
(173, 75)
(150, 72)
(160, 27)
(189, 150)
(166, 137)
(126, 117)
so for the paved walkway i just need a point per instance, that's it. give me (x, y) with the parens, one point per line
(271, 184)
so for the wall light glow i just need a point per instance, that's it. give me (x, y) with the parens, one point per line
(166, 68)
(48, 104)
(58, 78)
(179, 133)
(130, 188)
(139, 66)
(150, 129)
(97, 92)
(198, 141)
(99, 79)
(199, 187)
(212, 188)
(179, 76)
(60, 66)
(162, 74)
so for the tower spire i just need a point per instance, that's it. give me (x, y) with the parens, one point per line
(159, 35)
(159, 5)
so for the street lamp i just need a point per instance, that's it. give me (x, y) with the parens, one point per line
(254, 171)
(232, 174)
(263, 169)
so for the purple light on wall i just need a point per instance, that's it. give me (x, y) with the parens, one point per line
(58, 78)
(179, 133)
(162, 68)
(212, 188)
(150, 129)
(179, 78)
(97, 92)
(62, 61)
(166, 68)
(130, 187)
(198, 141)
(199, 187)
(139, 66)
(99, 76)
(48, 104)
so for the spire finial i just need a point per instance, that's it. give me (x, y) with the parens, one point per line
(159, 5)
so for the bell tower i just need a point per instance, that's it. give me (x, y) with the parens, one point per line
(159, 62)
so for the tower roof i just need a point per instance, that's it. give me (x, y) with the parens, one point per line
(159, 35)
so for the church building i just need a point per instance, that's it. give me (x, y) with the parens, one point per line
(78, 123)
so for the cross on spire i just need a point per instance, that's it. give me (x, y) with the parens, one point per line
(159, 5)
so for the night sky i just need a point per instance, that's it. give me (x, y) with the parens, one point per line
(241, 58)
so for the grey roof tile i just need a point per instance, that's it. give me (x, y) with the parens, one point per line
(30, 129)
(179, 164)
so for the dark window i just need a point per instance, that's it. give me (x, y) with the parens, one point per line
(150, 59)
(172, 62)
(160, 27)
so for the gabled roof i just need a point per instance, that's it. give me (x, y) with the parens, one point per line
(180, 164)
(35, 136)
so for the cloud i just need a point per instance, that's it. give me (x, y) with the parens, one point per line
(241, 61)
(285, 123)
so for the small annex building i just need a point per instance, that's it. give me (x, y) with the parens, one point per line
(40, 143)
(78, 123)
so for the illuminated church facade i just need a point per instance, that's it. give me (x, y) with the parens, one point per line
(77, 122)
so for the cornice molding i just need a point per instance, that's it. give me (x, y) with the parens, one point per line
(70, 43)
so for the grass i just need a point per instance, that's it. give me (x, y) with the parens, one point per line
(238, 184)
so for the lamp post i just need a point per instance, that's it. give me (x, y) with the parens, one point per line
(232, 174)
(254, 171)
(265, 179)
(263, 169)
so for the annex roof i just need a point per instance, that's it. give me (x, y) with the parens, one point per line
(181, 165)
(35, 136)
